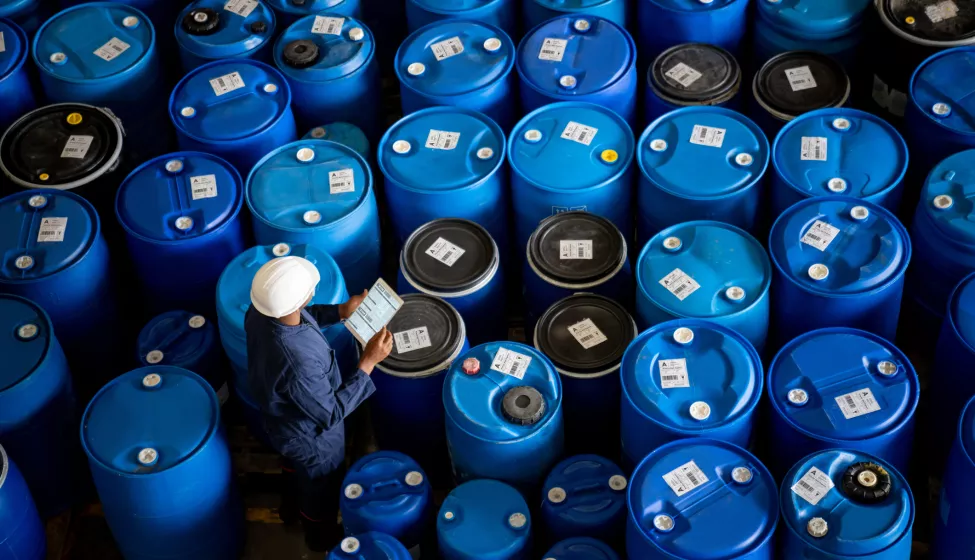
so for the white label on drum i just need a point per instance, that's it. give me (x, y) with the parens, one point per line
(587, 333)
(813, 486)
(579, 133)
(575, 249)
(446, 49)
(203, 186)
(341, 181)
(327, 25)
(242, 8)
(77, 147)
(708, 136)
(679, 284)
(112, 49)
(227, 83)
(820, 235)
(857, 403)
(3, 45)
(445, 251)
(813, 148)
(511, 363)
(941, 11)
(685, 478)
(800, 78)
(552, 49)
(413, 339)
(52, 230)
(673, 373)
(442, 140)
(683, 74)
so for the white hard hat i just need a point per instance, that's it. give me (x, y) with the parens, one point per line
(283, 286)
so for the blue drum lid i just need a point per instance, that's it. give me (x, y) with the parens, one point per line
(93, 42)
(825, 486)
(68, 224)
(581, 548)
(692, 376)
(815, 18)
(372, 545)
(695, 73)
(575, 55)
(306, 7)
(229, 99)
(843, 385)
(691, 5)
(930, 22)
(150, 420)
(585, 335)
(25, 339)
(343, 133)
(545, 246)
(426, 61)
(179, 196)
(472, 255)
(175, 338)
(693, 270)
(703, 152)
(17, 8)
(570, 5)
(942, 89)
(704, 499)
(839, 245)
(947, 197)
(476, 402)
(14, 51)
(485, 519)
(966, 431)
(427, 334)
(221, 29)
(572, 146)
(441, 149)
(322, 48)
(308, 184)
(385, 484)
(585, 490)
(455, 7)
(961, 311)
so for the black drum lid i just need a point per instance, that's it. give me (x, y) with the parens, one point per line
(720, 73)
(933, 20)
(478, 261)
(608, 248)
(444, 332)
(554, 334)
(774, 88)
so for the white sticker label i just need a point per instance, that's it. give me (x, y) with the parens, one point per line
(446, 49)
(679, 284)
(112, 49)
(442, 140)
(673, 373)
(77, 146)
(579, 133)
(683, 74)
(820, 235)
(327, 25)
(575, 249)
(413, 339)
(227, 83)
(203, 186)
(941, 11)
(3, 45)
(889, 98)
(511, 363)
(813, 486)
(587, 333)
(708, 136)
(242, 8)
(445, 251)
(800, 78)
(685, 478)
(857, 403)
(52, 230)
(341, 181)
(552, 49)
(813, 148)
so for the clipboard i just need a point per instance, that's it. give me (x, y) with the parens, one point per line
(374, 313)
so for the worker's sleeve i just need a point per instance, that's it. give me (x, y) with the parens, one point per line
(328, 408)
(324, 315)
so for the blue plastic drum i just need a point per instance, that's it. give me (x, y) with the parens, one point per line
(839, 262)
(22, 535)
(842, 504)
(181, 216)
(952, 538)
(579, 58)
(700, 163)
(831, 27)
(701, 499)
(504, 414)
(185, 340)
(691, 74)
(460, 63)
(537, 11)
(445, 162)
(584, 496)
(37, 407)
(730, 266)
(27, 14)
(372, 546)
(15, 87)
(209, 30)
(665, 23)
(498, 13)
(237, 109)
(685, 379)
(290, 11)
(343, 133)
(581, 548)
(484, 520)
(841, 387)
(319, 193)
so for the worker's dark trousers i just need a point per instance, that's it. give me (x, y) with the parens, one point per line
(318, 502)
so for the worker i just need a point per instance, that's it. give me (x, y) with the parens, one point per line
(304, 398)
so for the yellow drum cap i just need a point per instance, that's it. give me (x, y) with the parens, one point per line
(909, 20)
(609, 156)
(44, 177)
(74, 118)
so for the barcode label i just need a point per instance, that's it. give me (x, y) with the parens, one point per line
(708, 136)
(77, 147)
(813, 148)
(227, 83)
(3, 44)
(673, 373)
(327, 25)
(941, 11)
(413, 339)
(820, 235)
(511, 363)
(446, 49)
(112, 49)
(579, 133)
(857, 403)
(552, 49)
(800, 78)
(52, 230)
(683, 74)
(242, 8)
(679, 284)
(341, 181)
(203, 186)
(442, 140)
(685, 478)
(587, 333)
(813, 486)
(445, 251)
(575, 249)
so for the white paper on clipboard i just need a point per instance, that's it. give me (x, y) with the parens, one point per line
(374, 312)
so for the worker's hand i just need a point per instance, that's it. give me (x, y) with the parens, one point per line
(379, 346)
(348, 308)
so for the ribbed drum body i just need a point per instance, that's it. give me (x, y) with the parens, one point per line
(664, 23)
(499, 13)
(186, 340)
(22, 534)
(832, 27)
(15, 87)
(484, 520)
(584, 496)
(691, 74)
(952, 539)
(206, 30)
(538, 11)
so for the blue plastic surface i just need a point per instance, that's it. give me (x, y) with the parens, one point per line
(952, 538)
(15, 87)
(848, 401)
(370, 546)
(665, 23)
(235, 35)
(716, 257)
(347, 134)
(177, 415)
(592, 501)
(699, 173)
(479, 77)
(827, 26)
(865, 250)
(499, 13)
(537, 11)
(289, 11)
(474, 523)
(22, 535)
(581, 548)
(28, 14)
(186, 340)
(714, 518)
